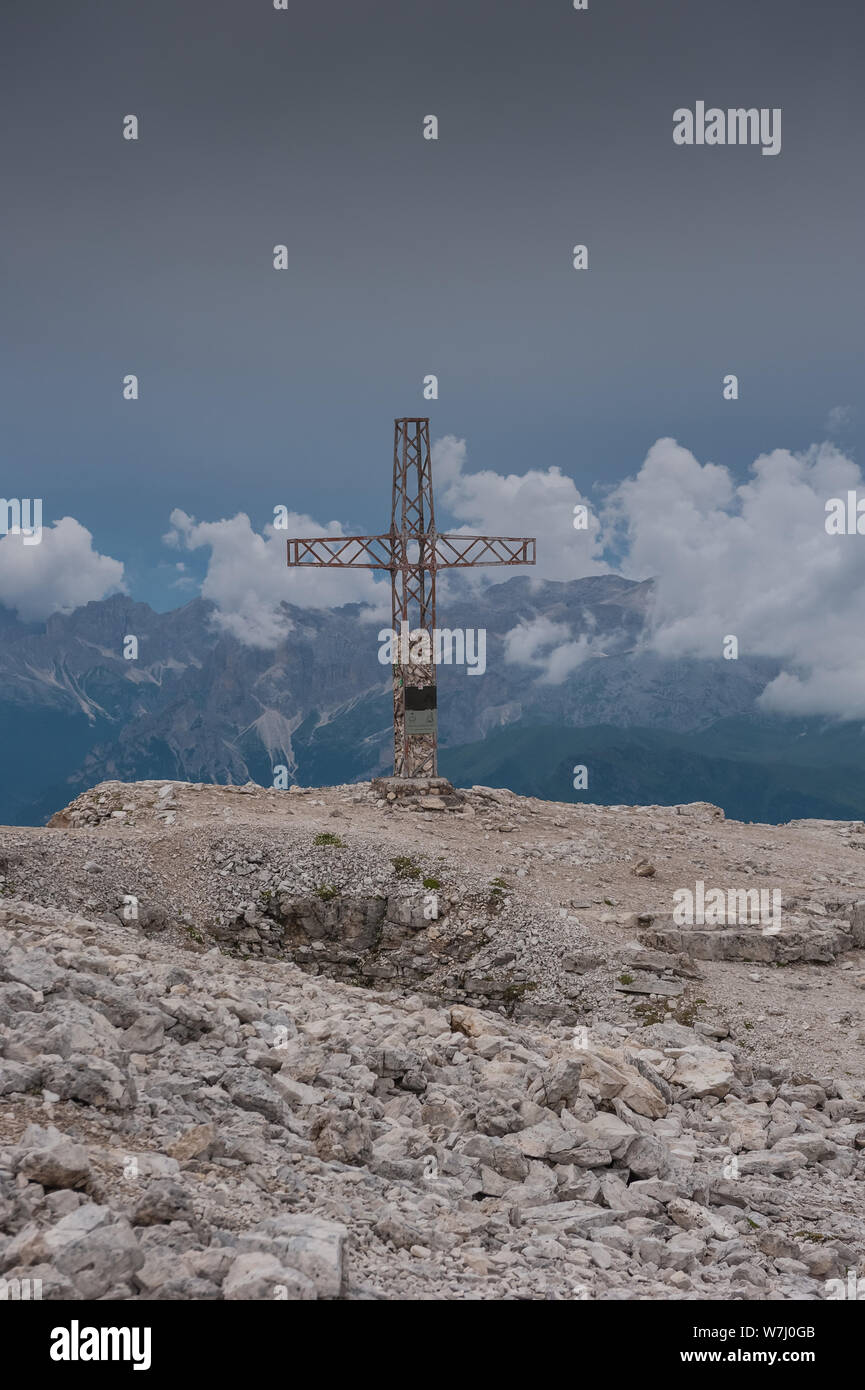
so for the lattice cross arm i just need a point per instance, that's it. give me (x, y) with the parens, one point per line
(342, 552)
(454, 551)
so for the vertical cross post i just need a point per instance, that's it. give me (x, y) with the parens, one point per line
(413, 594)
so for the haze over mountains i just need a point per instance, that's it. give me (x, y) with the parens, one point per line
(198, 705)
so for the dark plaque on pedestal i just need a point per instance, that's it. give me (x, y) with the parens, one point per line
(420, 710)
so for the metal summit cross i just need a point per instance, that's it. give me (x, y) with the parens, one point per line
(413, 552)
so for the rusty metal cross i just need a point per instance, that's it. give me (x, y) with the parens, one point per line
(413, 552)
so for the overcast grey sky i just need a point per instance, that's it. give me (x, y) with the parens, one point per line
(410, 256)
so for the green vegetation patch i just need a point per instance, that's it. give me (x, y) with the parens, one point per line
(404, 867)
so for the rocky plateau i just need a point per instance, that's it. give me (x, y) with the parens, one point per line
(340, 1043)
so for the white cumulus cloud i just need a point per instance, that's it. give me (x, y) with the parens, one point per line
(548, 646)
(61, 573)
(539, 502)
(248, 578)
(752, 560)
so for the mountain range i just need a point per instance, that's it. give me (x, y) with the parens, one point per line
(199, 705)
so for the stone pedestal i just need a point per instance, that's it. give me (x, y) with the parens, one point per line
(417, 793)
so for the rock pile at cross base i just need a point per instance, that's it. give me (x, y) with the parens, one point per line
(178, 1122)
